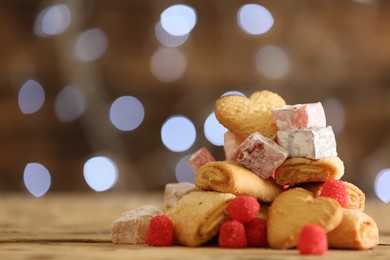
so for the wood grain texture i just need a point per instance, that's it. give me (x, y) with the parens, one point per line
(77, 226)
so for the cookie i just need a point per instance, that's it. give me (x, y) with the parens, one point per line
(223, 176)
(298, 170)
(357, 230)
(244, 116)
(198, 216)
(295, 208)
(356, 197)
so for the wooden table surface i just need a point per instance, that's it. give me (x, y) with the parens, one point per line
(77, 226)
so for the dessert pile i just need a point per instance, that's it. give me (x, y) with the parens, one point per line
(279, 187)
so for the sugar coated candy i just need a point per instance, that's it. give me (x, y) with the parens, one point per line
(301, 116)
(312, 143)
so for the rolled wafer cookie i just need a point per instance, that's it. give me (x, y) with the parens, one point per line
(223, 176)
(356, 197)
(298, 170)
(244, 116)
(198, 216)
(357, 230)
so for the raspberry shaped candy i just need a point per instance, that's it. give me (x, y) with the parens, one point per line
(232, 235)
(337, 190)
(160, 232)
(312, 240)
(256, 232)
(243, 208)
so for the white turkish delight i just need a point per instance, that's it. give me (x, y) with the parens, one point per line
(301, 116)
(175, 191)
(132, 226)
(260, 155)
(230, 144)
(313, 143)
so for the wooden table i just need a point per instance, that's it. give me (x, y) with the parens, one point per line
(77, 226)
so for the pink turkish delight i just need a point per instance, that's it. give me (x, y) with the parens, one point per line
(260, 155)
(298, 117)
(199, 158)
(230, 145)
(175, 191)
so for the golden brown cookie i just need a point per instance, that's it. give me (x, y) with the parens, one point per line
(357, 230)
(298, 170)
(295, 208)
(223, 176)
(198, 216)
(356, 197)
(244, 116)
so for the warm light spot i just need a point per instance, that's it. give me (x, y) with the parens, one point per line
(178, 133)
(335, 114)
(254, 19)
(52, 20)
(36, 179)
(91, 45)
(168, 64)
(184, 172)
(272, 62)
(213, 130)
(100, 173)
(178, 19)
(31, 97)
(382, 184)
(69, 104)
(167, 39)
(127, 113)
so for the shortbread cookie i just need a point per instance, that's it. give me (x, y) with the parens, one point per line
(312, 143)
(260, 154)
(132, 226)
(295, 208)
(198, 216)
(244, 116)
(357, 230)
(356, 197)
(301, 170)
(228, 177)
(175, 191)
(300, 116)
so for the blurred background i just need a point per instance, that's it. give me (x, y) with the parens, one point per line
(104, 96)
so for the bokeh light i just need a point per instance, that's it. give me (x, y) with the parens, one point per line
(69, 104)
(184, 172)
(178, 19)
(272, 62)
(213, 130)
(37, 179)
(52, 20)
(335, 114)
(167, 39)
(100, 173)
(91, 45)
(31, 97)
(168, 64)
(178, 133)
(382, 184)
(254, 19)
(233, 92)
(127, 113)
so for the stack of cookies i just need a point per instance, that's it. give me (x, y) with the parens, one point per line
(283, 156)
